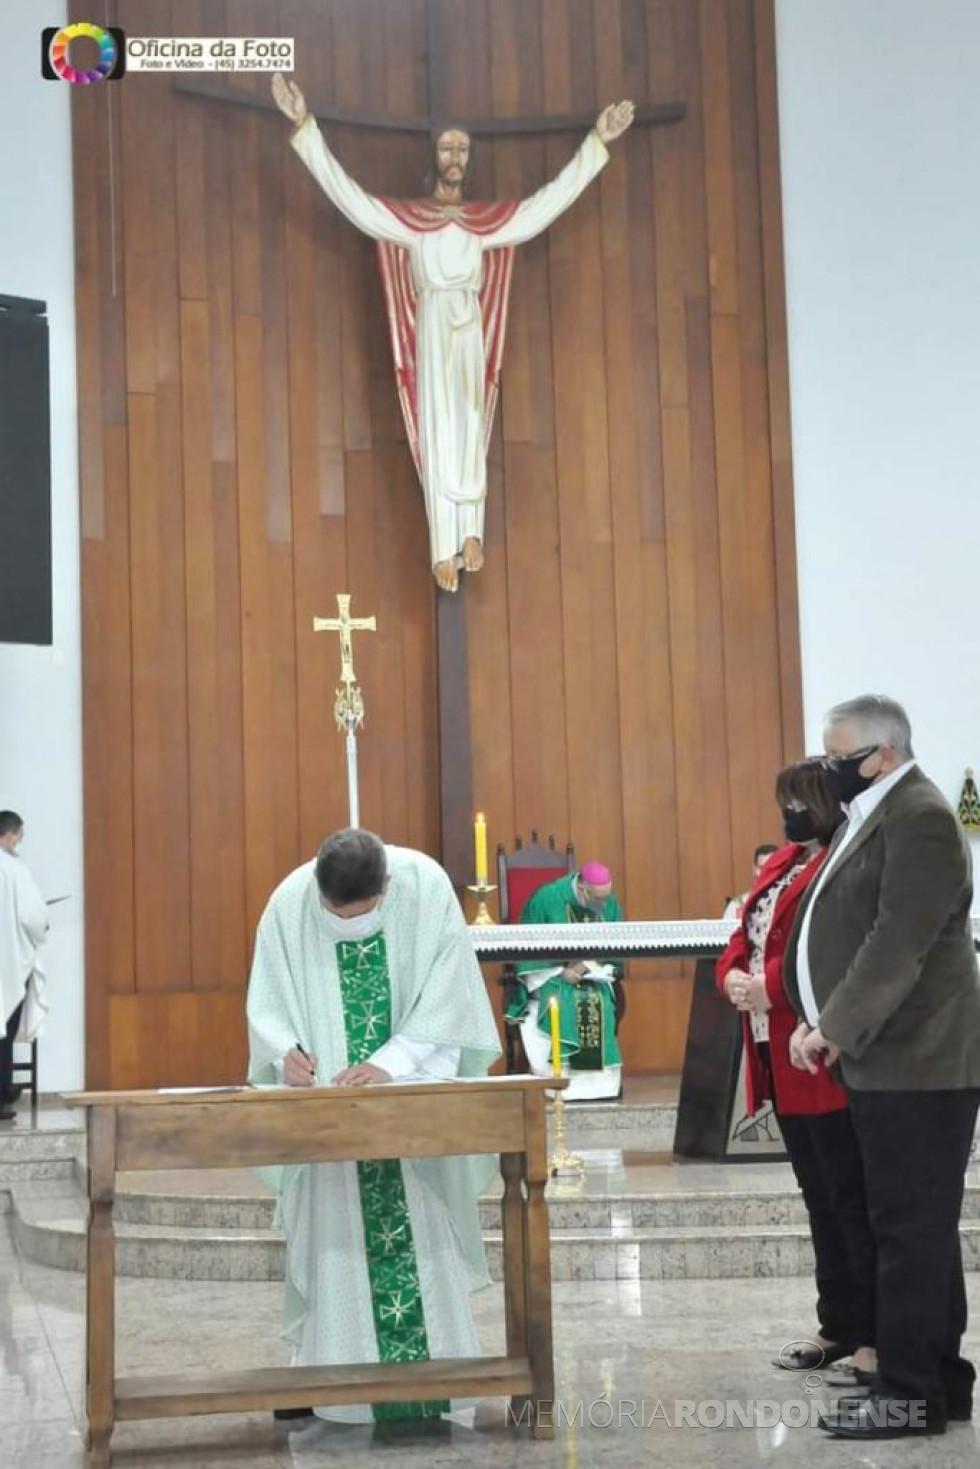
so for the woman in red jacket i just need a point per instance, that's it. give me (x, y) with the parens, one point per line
(811, 1110)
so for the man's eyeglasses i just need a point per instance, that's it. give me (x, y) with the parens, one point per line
(834, 762)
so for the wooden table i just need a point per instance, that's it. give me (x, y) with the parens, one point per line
(133, 1131)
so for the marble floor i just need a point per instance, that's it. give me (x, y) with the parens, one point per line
(629, 1352)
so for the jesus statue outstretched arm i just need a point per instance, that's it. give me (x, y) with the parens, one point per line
(540, 210)
(534, 214)
(447, 308)
(364, 211)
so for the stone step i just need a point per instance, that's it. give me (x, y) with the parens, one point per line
(37, 1149)
(671, 1196)
(616, 1213)
(48, 1221)
(647, 1125)
(146, 1205)
(24, 1145)
(51, 1231)
(30, 1169)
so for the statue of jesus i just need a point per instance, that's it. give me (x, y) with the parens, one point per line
(446, 267)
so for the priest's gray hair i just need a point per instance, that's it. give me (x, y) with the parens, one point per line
(351, 866)
(878, 721)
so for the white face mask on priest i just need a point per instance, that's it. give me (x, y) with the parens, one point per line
(352, 926)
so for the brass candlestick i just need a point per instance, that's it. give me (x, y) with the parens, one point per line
(483, 914)
(561, 1160)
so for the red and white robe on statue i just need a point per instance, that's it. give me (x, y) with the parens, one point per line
(446, 275)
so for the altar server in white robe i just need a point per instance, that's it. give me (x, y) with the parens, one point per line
(364, 973)
(23, 929)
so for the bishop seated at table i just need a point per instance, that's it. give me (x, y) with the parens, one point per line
(582, 988)
(364, 973)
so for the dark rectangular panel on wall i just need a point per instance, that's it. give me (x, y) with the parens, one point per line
(25, 472)
(632, 645)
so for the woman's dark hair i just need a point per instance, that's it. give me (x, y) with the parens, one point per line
(351, 867)
(804, 782)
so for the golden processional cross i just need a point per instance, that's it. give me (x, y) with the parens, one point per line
(348, 707)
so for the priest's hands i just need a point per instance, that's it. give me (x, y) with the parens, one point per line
(289, 99)
(363, 1075)
(612, 121)
(298, 1069)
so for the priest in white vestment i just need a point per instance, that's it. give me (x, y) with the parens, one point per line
(364, 972)
(446, 266)
(23, 929)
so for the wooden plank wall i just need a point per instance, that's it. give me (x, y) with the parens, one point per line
(633, 639)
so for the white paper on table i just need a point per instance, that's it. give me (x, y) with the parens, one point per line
(189, 1091)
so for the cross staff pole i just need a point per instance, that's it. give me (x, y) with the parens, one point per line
(348, 708)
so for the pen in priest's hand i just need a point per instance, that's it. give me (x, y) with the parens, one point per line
(306, 1057)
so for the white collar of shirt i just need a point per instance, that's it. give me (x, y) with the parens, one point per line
(857, 814)
(862, 806)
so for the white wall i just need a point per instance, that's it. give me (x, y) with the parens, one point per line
(879, 107)
(40, 688)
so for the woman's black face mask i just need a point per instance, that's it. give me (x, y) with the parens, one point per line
(798, 825)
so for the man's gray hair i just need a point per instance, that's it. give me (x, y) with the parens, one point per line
(879, 721)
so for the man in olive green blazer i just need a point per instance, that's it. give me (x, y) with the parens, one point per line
(881, 967)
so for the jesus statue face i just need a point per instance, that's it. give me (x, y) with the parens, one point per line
(452, 158)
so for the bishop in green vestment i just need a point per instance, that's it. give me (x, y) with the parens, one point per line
(582, 987)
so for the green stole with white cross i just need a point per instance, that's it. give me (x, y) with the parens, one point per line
(393, 1272)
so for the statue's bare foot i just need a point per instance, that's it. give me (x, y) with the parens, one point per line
(446, 574)
(472, 554)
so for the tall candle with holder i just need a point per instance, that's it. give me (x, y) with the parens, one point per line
(560, 1160)
(481, 887)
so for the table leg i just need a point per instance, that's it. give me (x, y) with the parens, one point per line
(100, 1287)
(101, 1325)
(515, 1304)
(537, 1294)
(98, 1454)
